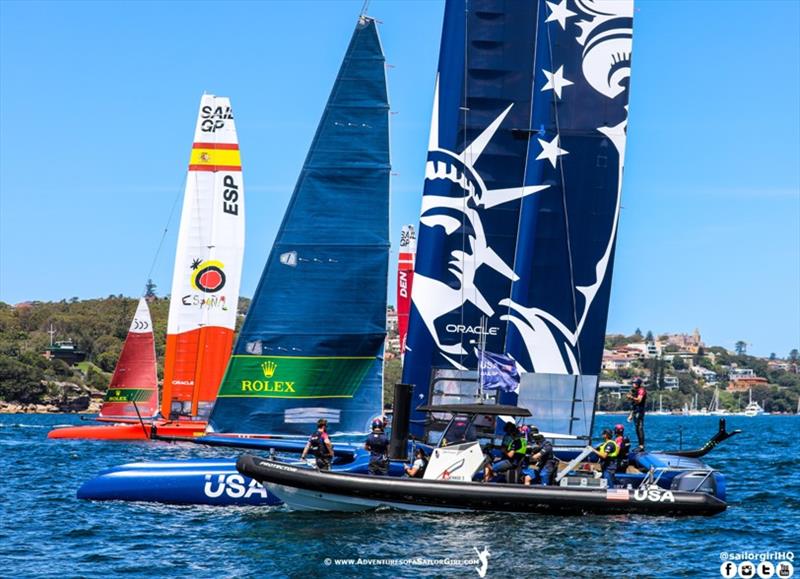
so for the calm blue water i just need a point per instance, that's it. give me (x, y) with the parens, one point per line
(45, 531)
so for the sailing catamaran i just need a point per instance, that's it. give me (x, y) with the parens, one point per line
(205, 289)
(311, 345)
(133, 391)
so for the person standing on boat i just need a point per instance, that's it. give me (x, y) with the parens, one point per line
(319, 444)
(542, 463)
(608, 451)
(378, 446)
(638, 397)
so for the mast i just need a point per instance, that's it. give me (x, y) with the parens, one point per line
(208, 266)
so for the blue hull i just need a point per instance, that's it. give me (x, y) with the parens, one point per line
(213, 482)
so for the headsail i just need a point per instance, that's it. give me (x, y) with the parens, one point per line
(208, 266)
(312, 343)
(134, 385)
(474, 178)
(405, 278)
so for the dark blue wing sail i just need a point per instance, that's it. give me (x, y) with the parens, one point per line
(312, 344)
(522, 186)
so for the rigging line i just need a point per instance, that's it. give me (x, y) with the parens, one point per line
(566, 213)
(164, 233)
(524, 171)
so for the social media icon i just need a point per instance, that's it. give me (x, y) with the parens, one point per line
(784, 570)
(727, 570)
(765, 569)
(747, 569)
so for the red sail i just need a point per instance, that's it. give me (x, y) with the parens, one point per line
(134, 385)
(405, 275)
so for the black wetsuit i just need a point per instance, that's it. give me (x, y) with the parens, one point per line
(638, 413)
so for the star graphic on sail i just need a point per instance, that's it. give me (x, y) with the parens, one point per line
(559, 13)
(551, 151)
(556, 81)
(442, 297)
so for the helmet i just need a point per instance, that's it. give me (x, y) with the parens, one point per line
(322, 422)
(538, 436)
(377, 423)
(637, 381)
(524, 430)
(619, 428)
(607, 432)
(510, 427)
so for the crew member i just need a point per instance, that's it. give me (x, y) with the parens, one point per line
(542, 463)
(638, 397)
(378, 446)
(417, 468)
(319, 444)
(608, 452)
(624, 444)
(512, 451)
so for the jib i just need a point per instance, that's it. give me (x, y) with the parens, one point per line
(234, 486)
(230, 195)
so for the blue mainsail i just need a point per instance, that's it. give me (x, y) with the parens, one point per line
(521, 199)
(312, 344)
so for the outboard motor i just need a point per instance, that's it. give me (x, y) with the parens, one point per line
(699, 481)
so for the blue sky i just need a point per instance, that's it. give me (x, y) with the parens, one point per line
(98, 102)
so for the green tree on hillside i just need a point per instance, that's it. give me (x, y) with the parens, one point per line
(793, 355)
(740, 348)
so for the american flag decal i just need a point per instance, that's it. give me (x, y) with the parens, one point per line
(618, 495)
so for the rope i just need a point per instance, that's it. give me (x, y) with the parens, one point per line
(163, 235)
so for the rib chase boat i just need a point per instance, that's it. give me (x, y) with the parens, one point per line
(654, 483)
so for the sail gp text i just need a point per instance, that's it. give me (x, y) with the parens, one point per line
(232, 485)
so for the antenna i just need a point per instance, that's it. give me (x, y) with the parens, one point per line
(364, 8)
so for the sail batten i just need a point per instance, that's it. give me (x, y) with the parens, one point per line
(312, 343)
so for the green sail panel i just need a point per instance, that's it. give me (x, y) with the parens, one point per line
(317, 322)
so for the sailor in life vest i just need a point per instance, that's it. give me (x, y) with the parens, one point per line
(608, 451)
(512, 452)
(378, 446)
(320, 446)
(417, 468)
(624, 444)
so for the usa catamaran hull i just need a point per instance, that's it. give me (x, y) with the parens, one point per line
(308, 489)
